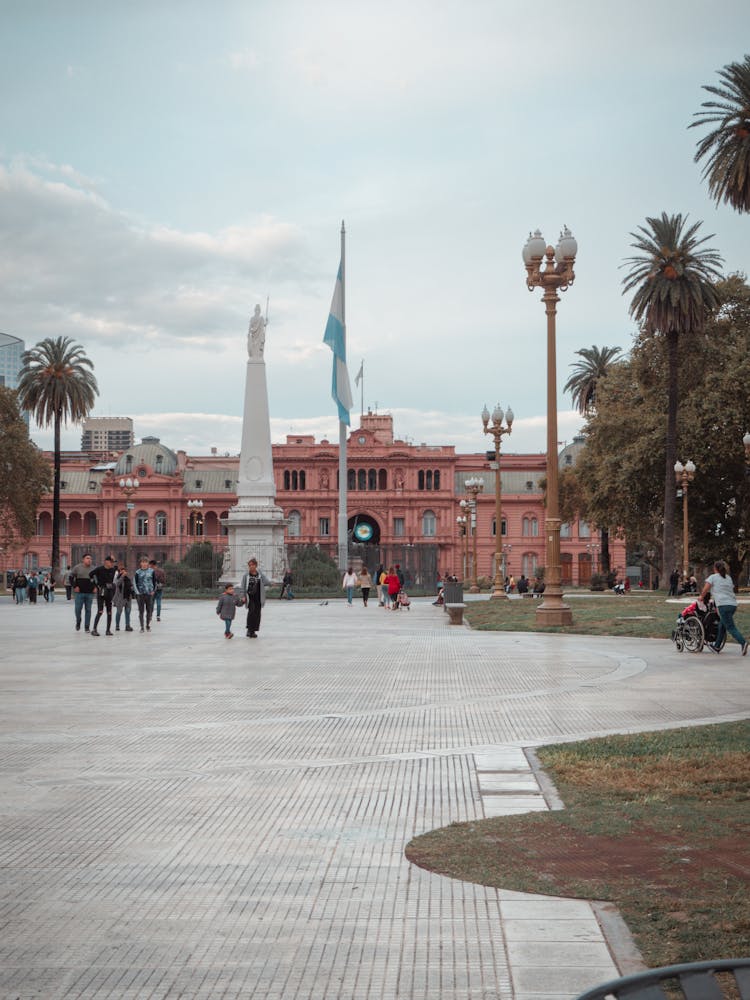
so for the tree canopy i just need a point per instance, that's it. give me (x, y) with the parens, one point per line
(621, 468)
(25, 475)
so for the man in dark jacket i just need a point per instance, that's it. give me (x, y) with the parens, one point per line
(83, 588)
(104, 583)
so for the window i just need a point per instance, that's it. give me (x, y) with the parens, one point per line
(159, 462)
(295, 524)
(287, 479)
(161, 524)
(63, 525)
(198, 483)
(529, 564)
(429, 524)
(399, 527)
(565, 531)
(436, 479)
(122, 523)
(503, 527)
(295, 480)
(372, 479)
(89, 525)
(324, 527)
(382, 479)
(530, 527)
(428, 479)
(227, 484)
(302, 479)
(584, 531)
(141, 523)
(568, 459)
(420, 479)
(351, 480)
(529, 485)
(361, 480)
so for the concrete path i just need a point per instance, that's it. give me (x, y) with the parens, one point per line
(187, 816)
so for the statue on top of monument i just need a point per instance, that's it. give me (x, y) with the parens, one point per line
(256, 335)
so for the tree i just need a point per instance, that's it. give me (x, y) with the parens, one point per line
(587, 374)
(56, 384)
(727, 147)
(25, 475)
(620, 469)
(672, 278)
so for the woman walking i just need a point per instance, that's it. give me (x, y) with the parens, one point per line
(365, 582)
(721, 588)
(348, 584)
(253, 589)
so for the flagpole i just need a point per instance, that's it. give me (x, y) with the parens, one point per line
(343, 548)
(362, 389)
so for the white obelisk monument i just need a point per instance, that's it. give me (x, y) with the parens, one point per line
(255, 524)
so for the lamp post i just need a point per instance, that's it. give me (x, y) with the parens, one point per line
(683, 475)
(650, 556)
(194, 507)
(497, 430)
(593, 549)
(129, 488)
(556, 275)
(474, 486)
(507, 549)
(461, 521)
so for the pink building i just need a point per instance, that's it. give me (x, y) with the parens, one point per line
(403, 504)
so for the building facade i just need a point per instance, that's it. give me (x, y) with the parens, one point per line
(403, 506)
(107, 434)
(11, 350)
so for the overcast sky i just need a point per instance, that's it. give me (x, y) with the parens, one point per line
(165, 165)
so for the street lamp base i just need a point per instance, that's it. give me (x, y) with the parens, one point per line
(498, 594)
(555, 614)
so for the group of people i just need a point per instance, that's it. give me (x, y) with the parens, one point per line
(114, 588)
(28, 586)
(252, 595)
(388, 584)
(682, 583)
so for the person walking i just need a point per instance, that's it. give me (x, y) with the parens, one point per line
(83, 588)
(365, 582)
(674, 580)
(161, 578)
(253, 588)
(144, 584)
(20, 585)
(227, 608)
(286, 585)
(393, 585)
(104, 584)
(50, 588)
(123, 598)
(721, 588)
(348, 583)
(33, 586)
(68, 584)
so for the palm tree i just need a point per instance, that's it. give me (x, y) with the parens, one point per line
(672, 277)
(727, 147)
(583, 382)
(56, 384)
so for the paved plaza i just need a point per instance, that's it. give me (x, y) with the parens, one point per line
(194, 817)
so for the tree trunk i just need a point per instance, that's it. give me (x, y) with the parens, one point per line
(668, 553)
(56, 502)
(605, 566)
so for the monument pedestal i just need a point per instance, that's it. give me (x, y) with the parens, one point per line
(255, 525)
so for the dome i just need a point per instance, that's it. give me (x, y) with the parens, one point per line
(151, 453)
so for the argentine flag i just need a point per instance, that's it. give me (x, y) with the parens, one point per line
(335, 337)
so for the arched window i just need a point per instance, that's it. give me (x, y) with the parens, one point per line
(122, 523)
(382, 479)
(351, 480)
(503, 527)
(158, 463)
(530, 527)
(361, 479)
(429, 524)
(90, 527)
(128, 463)
(295, 524)
(224, 529)
(161, 524)
(295, 480)
(63, 524)
(584, 531)
(141, 523)
(287, 479)
(372, 479)
(420, 479)
(529, 564)
(436, 479)
(428, 480)
(302, 479)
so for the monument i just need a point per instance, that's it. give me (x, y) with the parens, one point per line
(255, 525)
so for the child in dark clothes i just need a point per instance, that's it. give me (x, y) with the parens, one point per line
(226, 609)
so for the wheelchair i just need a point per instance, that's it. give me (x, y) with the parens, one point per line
(696, 627)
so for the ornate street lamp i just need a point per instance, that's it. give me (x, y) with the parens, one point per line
(683, 475)
(129, 488)
(650, 554)
(461, 521)
(497, 430)
(474, 486)
(557, 274)
(194, 515)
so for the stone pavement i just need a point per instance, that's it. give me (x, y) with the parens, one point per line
(186, 816)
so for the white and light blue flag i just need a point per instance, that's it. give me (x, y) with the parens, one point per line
(336, 339)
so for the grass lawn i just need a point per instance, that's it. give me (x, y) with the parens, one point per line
(657, 823)
(640, 615)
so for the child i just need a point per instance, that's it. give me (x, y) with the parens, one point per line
(226, 608)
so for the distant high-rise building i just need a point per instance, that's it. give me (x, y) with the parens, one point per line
(11, 349)
(107, 434)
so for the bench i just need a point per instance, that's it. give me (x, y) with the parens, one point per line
(693, 981)
(455, 613)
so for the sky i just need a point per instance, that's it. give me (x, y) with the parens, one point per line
(166, 164)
